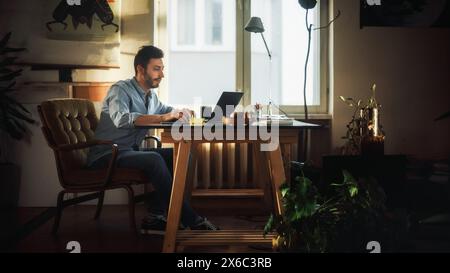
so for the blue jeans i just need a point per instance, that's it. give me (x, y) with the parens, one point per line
(157, 165)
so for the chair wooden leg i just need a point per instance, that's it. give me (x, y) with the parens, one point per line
(59, 208)
(101, 197)
(131, 208)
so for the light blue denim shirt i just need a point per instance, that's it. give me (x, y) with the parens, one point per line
(124, 103)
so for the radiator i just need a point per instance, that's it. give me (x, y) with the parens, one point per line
(228, 166)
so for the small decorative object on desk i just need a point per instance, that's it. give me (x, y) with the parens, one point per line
(240, 118)
(258, 111)
(365, 135)
(278, 120)
(196, 121)
(206, 112)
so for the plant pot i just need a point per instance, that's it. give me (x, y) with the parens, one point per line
(10, 185)
(9, 200)
(281, 244)
(277, 243)
(372, 146)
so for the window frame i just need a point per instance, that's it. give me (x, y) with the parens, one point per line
(243, 56)
(200, 43)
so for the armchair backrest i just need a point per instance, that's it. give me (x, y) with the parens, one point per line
(68, 121)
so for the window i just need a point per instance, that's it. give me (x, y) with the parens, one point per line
(287, 39)
(202, 53)
(214, 22)
(208, 53)
(185, 22)
(202, 25)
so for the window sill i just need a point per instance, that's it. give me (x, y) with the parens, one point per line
(312, 116)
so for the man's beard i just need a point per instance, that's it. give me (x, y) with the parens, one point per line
(151, 82)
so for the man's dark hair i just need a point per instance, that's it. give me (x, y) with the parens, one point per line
(144, 55)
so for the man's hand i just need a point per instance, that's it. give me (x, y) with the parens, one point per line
(179, 114)
(171, 116)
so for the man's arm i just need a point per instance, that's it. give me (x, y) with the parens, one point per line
(154, 119)
(122, 117)
(118, 103)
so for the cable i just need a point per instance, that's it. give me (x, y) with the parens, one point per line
(305, 136)
(276, 106)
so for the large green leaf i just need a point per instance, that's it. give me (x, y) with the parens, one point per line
(13, 115)
(13, 130)
(5, 40)
(284, 189)
(348, 177)
(12, 122)
(307, 209)
(269, 225)
(3, 91)
(353, 191)
(8, 87)
(304, 185)
(5, 70)
(3, 126)
(11, 76)
(16, 103)
(19, 125)
(319, 219)
(7, 61)
(10, 50)
(16, 113)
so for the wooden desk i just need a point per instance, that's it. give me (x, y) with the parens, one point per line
(270, 161)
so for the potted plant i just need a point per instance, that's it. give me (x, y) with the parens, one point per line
(343, 217)
(13, 117)
(365, 134)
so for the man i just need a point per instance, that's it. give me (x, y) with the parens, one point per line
(127, 104)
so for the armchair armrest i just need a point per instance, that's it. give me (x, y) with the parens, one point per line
(112, 162)
(82, 145)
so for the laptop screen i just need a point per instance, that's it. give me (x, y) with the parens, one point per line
(227, 99)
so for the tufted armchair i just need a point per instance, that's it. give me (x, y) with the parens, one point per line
(68, 126)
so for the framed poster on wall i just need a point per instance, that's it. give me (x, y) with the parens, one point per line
(74, 33)
(405, 13)
(83, 20)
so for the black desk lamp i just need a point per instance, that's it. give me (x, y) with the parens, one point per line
(255, 25)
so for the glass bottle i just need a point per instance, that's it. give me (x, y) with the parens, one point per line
(373, 138)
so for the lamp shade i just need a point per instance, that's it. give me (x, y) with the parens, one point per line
(255, 25)
(307, 4)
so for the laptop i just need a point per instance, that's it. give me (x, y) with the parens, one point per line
(227, 98)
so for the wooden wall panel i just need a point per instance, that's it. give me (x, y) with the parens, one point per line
(92, 91)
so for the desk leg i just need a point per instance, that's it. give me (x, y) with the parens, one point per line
(176, 199)
(278, 177)
(176, 145)
(262, 165)
(191, 171)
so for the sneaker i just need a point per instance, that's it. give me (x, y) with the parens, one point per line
(204, 224)
(155, 225)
